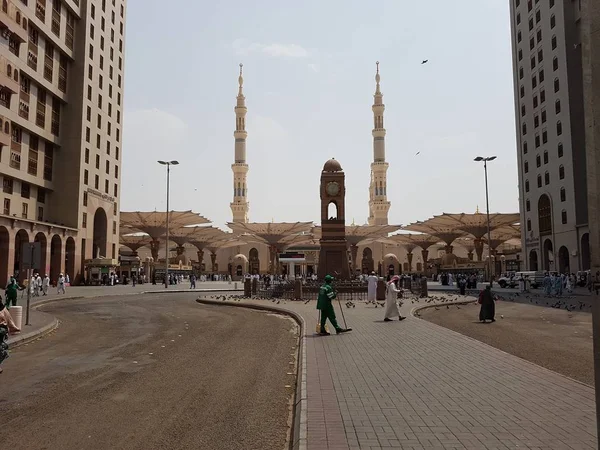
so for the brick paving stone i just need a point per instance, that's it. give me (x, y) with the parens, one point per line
(415, 385)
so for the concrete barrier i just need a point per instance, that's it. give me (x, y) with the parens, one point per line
(16, 313)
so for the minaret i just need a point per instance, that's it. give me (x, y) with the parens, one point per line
(378, 202)
(240, 206)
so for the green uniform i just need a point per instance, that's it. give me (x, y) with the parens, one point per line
(11, 293)
(326, 295)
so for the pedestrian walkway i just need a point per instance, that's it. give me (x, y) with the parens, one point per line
(415, 385)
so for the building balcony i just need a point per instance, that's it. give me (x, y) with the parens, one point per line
(7, 76)
(13, 20)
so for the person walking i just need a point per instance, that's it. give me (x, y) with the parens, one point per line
(325, 306)
(372, 288)
(11, 293)
(192, 281)
(488, 307)
(45, 284)
(60, 284)
(391, 298)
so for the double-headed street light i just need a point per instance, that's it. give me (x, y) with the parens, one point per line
(168, 164)
(487, 205)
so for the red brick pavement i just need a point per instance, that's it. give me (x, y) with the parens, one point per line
(415, 385)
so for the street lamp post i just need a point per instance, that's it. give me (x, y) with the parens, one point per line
(487, 205)
(168, 164)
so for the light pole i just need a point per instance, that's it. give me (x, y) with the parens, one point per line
(487, 206)
(168, 164)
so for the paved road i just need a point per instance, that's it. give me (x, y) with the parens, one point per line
(151, 372)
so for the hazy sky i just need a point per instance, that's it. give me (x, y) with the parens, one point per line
(309, 71)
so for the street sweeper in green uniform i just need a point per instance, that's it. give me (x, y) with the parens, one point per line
(325, 306)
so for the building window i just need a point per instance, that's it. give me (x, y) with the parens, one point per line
(87, 134)
(556, 85)
(7, 185)
(552, 21)
(115, 190)
(85, 177)
(96, 181)
(539, 181)
(521, 73)
(84, 220)
(107, 167)
(545, 157)
(544, 137)
(106, 186)
(547, 178)
(561, 172)
(540, 55)
(528, 224)
(538, 16)
(117, 153)
(532, 62)
(526, 165)
(541, 75)
(89, 93)
(563, 194)
(555, 64)
(85, 198)
(531, 24)
(537, 139)
(557, 106)
(48, 162)
(528, 205)
(535, 101)
(114, 209)
(41, 195)
(25, 190)
(553, 42)
(539, 36)
(543, 116)
(48, 62)
(97, 161)
(114, 227)
(87, 155)
(560, 150)
(524, 128)
(538, 161)
(6, 208)
(40, 216)
(116, 171)
(563, 216)
(520, 55)
(542, 96)
(531, 43)
(522, 110)
(98, 141)
(551, 3)
(533, 82)
(558, 128)
(114, 251)
(518, 18)
(24, 210)
(544, 215)
(526, 185)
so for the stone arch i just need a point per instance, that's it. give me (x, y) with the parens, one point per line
(533, 260)
(20, 238)
(332, 210)
(41, 238)
(548, 255)
(4, 244)
(70, 258)
(367, 263)
(100, 234)
(254, 261)
(55, 257)
(563, 260)
(585, 252)
(392, 264)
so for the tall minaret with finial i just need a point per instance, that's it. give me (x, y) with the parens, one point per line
(240, 205)
(378, 202)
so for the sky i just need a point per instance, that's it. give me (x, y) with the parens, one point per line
(309, 80)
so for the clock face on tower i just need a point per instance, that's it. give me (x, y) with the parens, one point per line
(333, 188)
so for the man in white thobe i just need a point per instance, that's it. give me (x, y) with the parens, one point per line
(372, 288)
(391, 298)
(46, 284)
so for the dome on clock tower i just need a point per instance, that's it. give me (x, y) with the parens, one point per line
(332, 166)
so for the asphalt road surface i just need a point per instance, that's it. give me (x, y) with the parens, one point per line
(151, 372)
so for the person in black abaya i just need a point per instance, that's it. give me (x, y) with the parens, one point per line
(488, 307)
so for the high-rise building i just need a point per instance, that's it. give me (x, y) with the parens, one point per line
(379, 206)
(61, 112)
(548, 82)
(240, 205)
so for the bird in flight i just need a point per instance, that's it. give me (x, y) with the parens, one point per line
(418, 153)
(425, 61)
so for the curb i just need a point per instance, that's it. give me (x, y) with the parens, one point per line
(298, 431)
(26, 338)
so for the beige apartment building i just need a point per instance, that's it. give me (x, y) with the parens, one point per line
(61, 103)
(549, 109)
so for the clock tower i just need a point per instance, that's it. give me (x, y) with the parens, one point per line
(333, 257)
